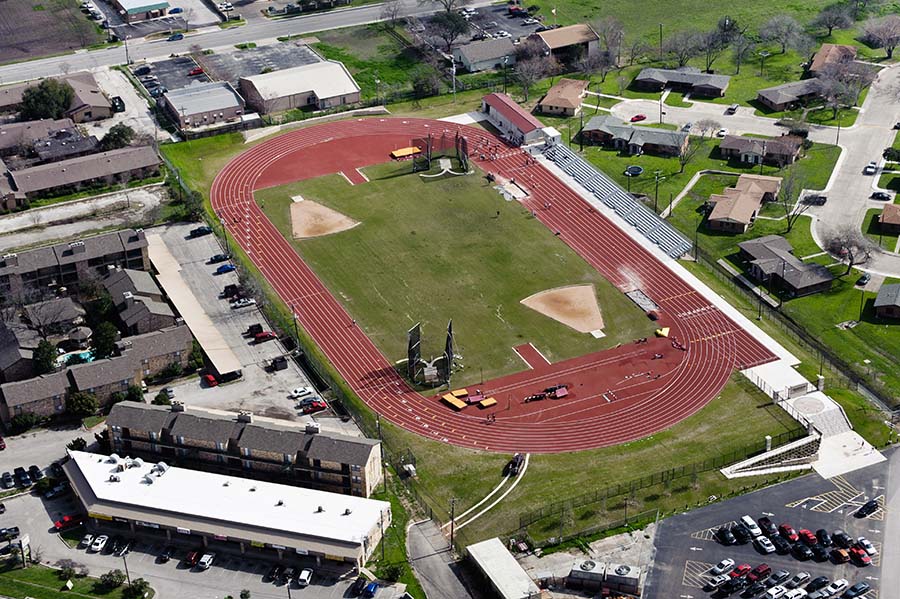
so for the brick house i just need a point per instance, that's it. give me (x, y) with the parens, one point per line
(102, 378)
(43, 396)
(153, 352)
(889, 219)
(780, 151)
(736, 208)
(887, 303)
(609, 131)
(771, 259)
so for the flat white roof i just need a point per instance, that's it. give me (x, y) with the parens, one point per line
(327, 79)
(194, 494)
(209, 96)
(134, 6)
(502, 569)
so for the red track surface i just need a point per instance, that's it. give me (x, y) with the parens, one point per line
(618, 395)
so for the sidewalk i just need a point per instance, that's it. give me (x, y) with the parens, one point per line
(430, 556)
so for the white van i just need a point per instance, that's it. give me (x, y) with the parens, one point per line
(751, 525)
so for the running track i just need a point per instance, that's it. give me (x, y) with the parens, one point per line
(715, 345)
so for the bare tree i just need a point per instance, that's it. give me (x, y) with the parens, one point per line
(682, 46)
(528, 72)
(447, 5)
(689, 151)
(529, 49)
(848, 243)
(600, 63)
(742, 47)
(188, 17)
(612, 36)
(390, 12)
(787, 198)
(804, 45)
(712, 44)
(883, 33)
(621, 84)
(707, 127)
(840, 84)
(637, 47)
(781, 29)
(835, 16)
(449, 27)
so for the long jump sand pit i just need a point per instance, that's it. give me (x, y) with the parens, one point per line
(574, 306)
(311, 219)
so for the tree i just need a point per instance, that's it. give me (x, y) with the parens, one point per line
(707, 127)
(781, 29)
(891, 154)
(835, 16)
(590, 64)
(77, 444)
(804, 45)
(134, 393)
(44, 357)
(612, 34)
(849, 244)
(840, 84)
(449, 26)
(112, 579)
(529, 49)
(23, 422)
(390, 12)
(741, 48)
(426, 83)
(193, 205)
(787, 198)
(682, 46)
(67, 572)
(119, 136)
(50, 99)
(712, 45)
(883, 33)
(245, 594)
(449, 6)
(116, 397)
(637, 47)
(138, 588)
(162, 399)
(621, 84)
(689, 151)
(103, 340)
(528, 72)
(82, 403)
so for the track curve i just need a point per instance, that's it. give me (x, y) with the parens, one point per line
(715, 345)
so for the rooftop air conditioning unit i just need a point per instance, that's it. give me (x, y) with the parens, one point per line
(114, 478)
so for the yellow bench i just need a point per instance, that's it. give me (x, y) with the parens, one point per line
(460, 393)
(487, 402)
(454, 403)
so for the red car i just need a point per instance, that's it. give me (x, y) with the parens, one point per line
(67, 522)
(210, 380)
(859, 555)
(638, 117)
(316, 406)
(740, 570)
(264, 336)
(2, 443)
(808, 537)
(192, 558)
(788, 532)
(760, 572)
(195, 71)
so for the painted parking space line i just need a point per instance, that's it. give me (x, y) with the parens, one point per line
(696, 574)
(709, 534)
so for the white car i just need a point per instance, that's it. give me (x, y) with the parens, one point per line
(764, 545)
(723, 567)
(751, 525)
(776, 592)
(838, 586)
(866, 544)
(717, 581)
(530, 21)
(206, 561)
(86, 540)
(871, 168)
(796, 594)
(304, 578)
(243, 303)
(99, 543)
(300, 392)
(722, 132)
(503, 33)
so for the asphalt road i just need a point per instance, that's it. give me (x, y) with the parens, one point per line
(258, 30)
(685, 548)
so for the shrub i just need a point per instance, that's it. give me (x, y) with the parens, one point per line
(22, 422)
(112, 579)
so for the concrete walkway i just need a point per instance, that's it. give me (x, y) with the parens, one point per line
(430, 556)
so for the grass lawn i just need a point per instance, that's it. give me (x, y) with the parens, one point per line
(873, 231)
(813, 169)
(451, 257)
(200, 160)
(369, 53)
(40, 582)
(394, 542)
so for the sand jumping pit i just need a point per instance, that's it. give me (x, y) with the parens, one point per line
(311, 219)
(574, 306)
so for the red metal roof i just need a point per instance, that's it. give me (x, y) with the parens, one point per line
(515, 114)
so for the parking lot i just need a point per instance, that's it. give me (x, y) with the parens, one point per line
(229, 574)
(496, 18)
(137, 113)
(259, 390)
(686, 546)
(231, 66)
(171, 73)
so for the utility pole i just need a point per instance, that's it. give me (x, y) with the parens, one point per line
(381, 522)
(381, 449)
(581, 133)
(296, 329)
(762, 158)
(452, 520)
(660, 42)
(453, 76)
(656, 194)
(505, 62)
(127, 575)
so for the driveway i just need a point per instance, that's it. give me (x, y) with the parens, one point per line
(430, 556)
(41, 447)
(137, 113)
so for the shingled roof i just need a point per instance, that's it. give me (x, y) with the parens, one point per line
(83, 168)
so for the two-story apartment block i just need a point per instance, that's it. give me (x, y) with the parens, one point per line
(248, 446)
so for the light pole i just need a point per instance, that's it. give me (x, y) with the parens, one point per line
(661, 113)
(452, 520)
(127, 575)
(453, 76)
(657, 179)
(762, 61)
(127, 58)
(505, 62)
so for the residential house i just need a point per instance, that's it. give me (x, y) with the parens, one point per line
(55, 315)
(831, 54)
(204, 104)
(609, 131)
(43, 396)
(514, 122)
(686, 79)
(89, 103)
(63, 144)
(889, 219)
(102, 378)
(887, 302)
(569, 43)
(486, 55)
(155, 351)
(771, 260)
(780, 151)
(16, 137)
(564, 98)
(320, 85)
(139, 301)
(17, 344)
(246, 445)
(735, 209)
(789, 95)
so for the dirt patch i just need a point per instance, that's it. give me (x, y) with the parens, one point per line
(574, 306)
(311, 219)
(30, 29)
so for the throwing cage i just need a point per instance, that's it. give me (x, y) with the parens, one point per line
(434, 146)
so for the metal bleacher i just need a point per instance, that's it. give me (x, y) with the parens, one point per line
(632, 211)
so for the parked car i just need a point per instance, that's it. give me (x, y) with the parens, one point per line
(820, 552)
(741, 533)
(686, 128)
(274, 573)
(867, 546)
(99, 544)
(857, 590)
(305, 577)
(764, 545)
(776, 592)
(192, 558)
(798, 580)
(788, 532)
(723, 567)
(819, 582)
(371, 590)
(7, 481)
(206, 561)
(722, 132)
(638, 117)
(225, 268)
(22, 477)
(740, 570)
(2, 443)
(218, 258)
(58, 490)
(176, 11)
(124, 548)
(864, 279)
(815, 199)
(195, 71)
(802, 552)
(200, 231)
(35, 473)
(880, 195)
(316, 406)
(287, 577)
(840, 556)
(167, 554)
(841, 539)
(751, 525)
(300, 392)
(824, 537)
(767, 526)
(871, 168)
(760, 572)
(734, 585)
(867, 509)
(807, 536)
(732, 109)
(358, 585)
(782, 546)
(725, 536)
(158, 91)
(8, 534)
(717, 581)
(143, 70)
(243, 303)
(778, 577)
(264, 336)
(210, 380)
(859, 556)
(795, 594)
(170, 392)
(175, 37)
(86, 540)
(838, 586)
(67, 522)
